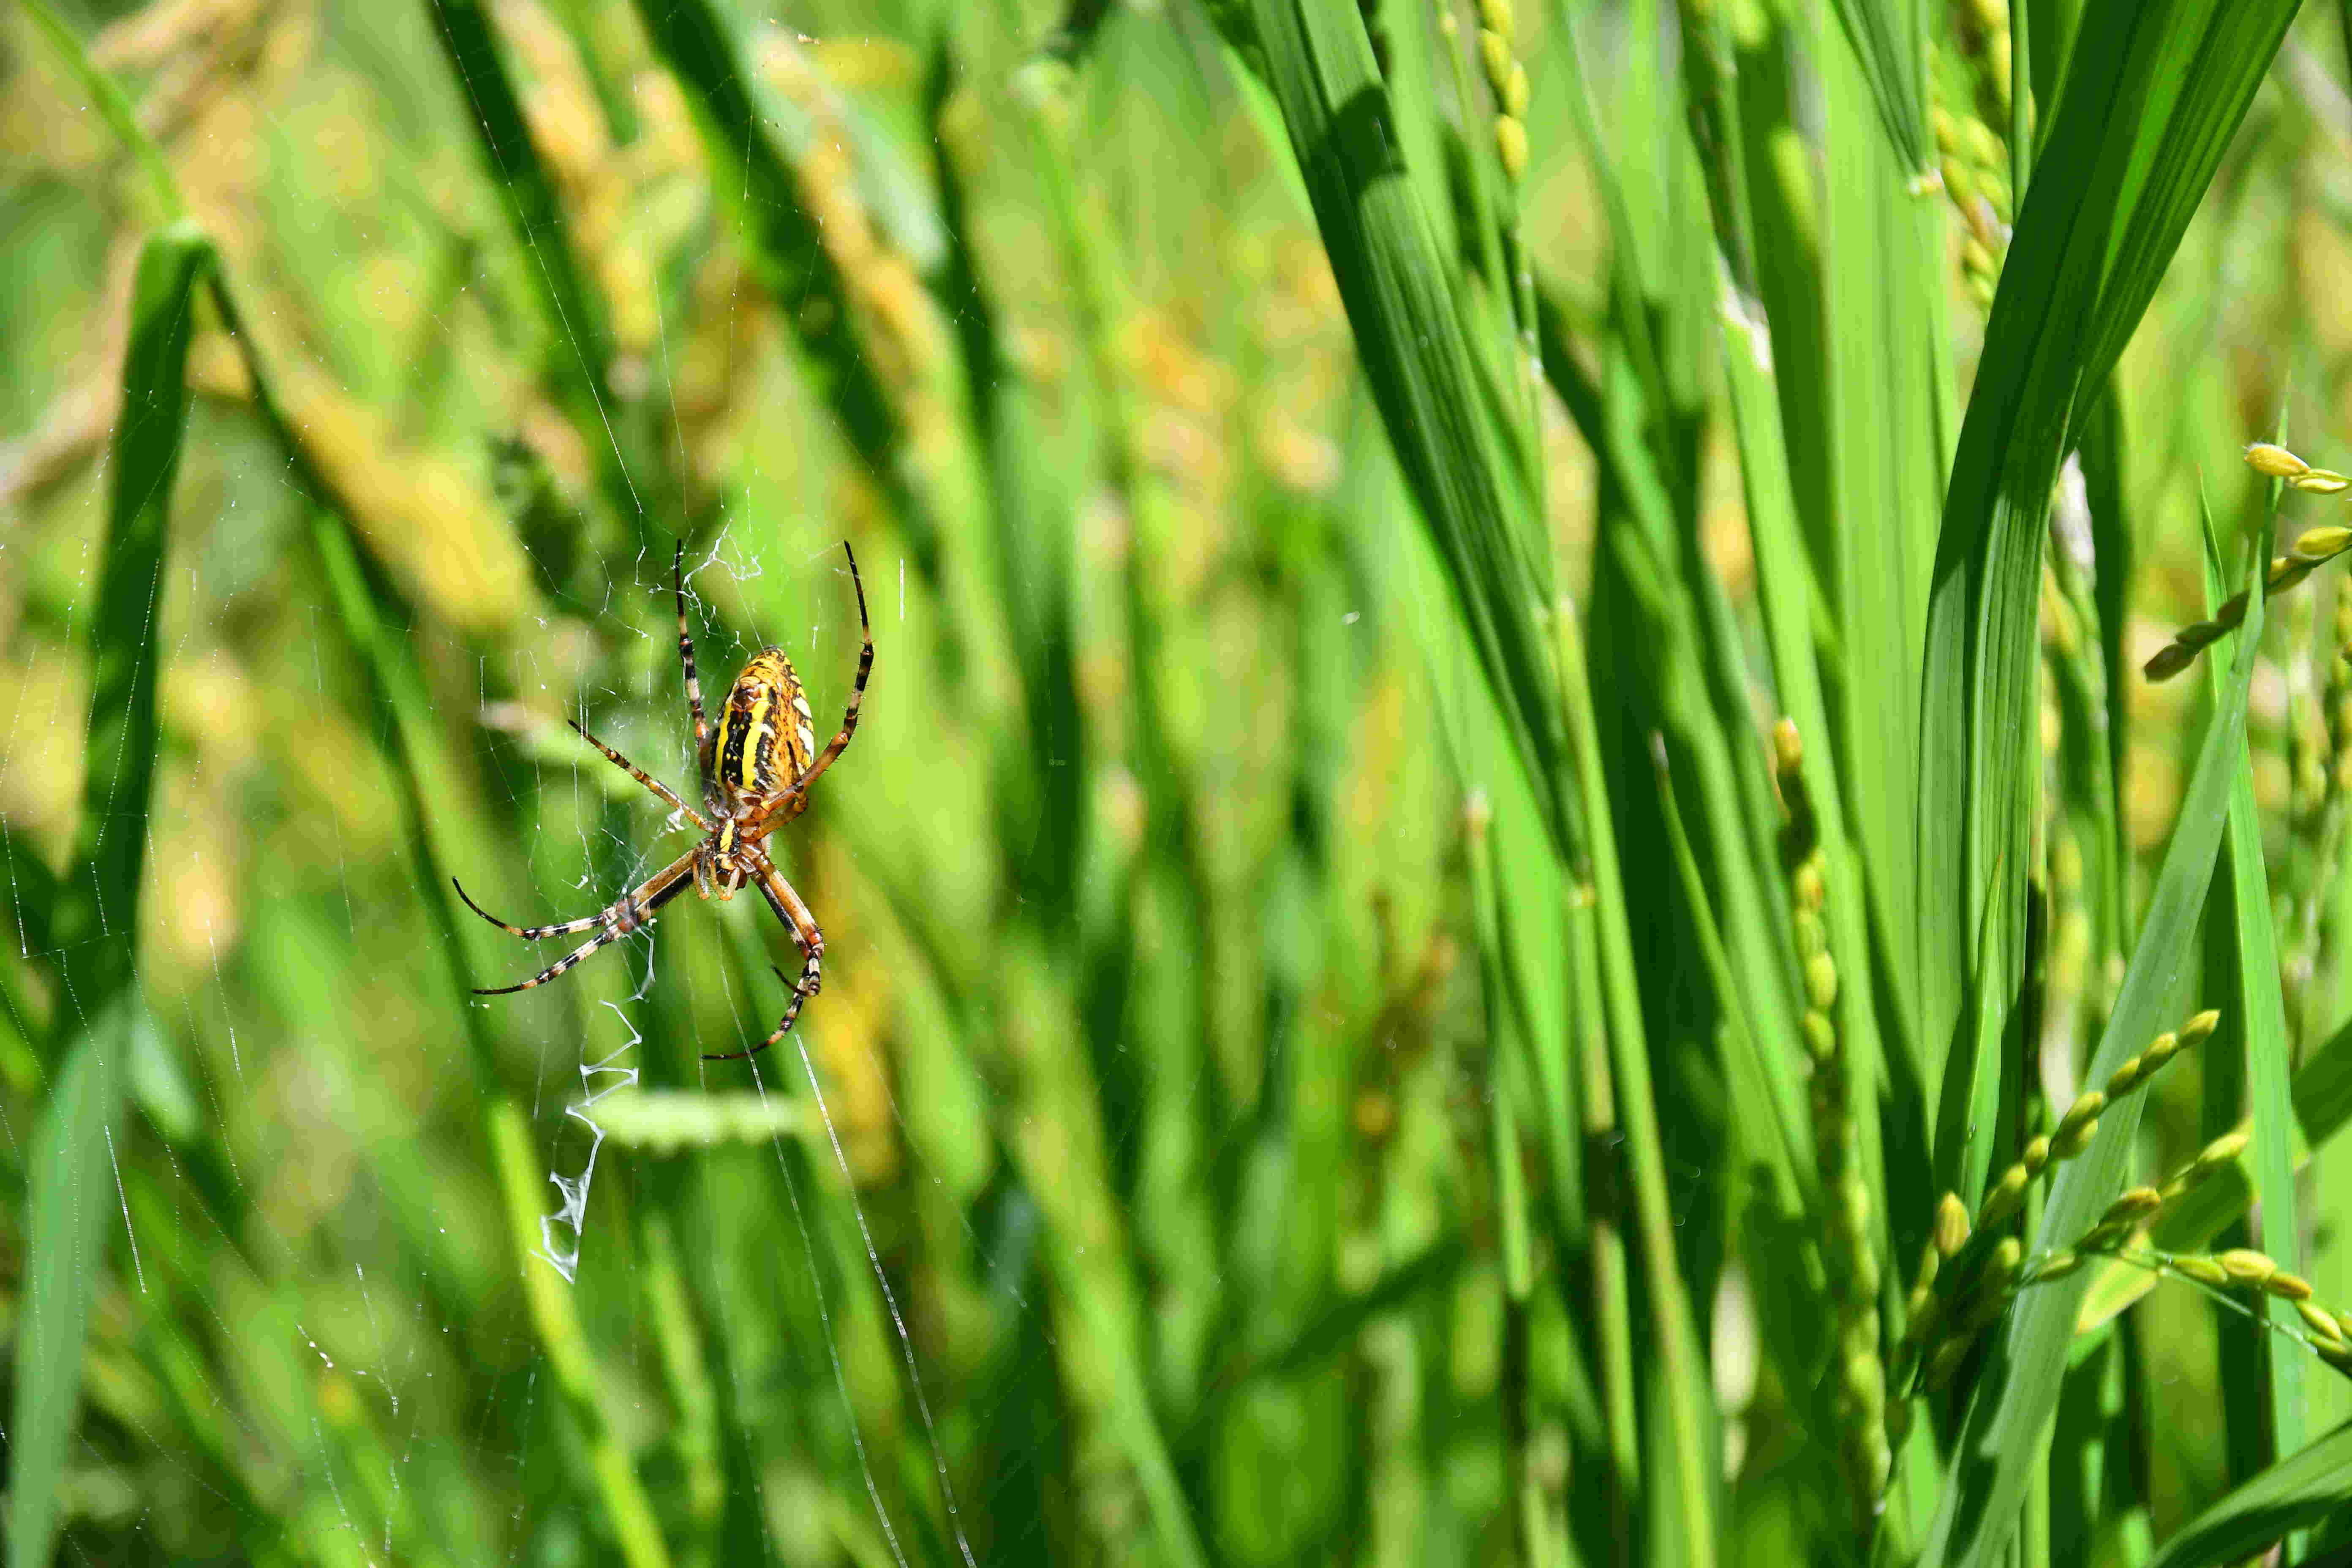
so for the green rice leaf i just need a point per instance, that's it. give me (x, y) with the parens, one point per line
(366, 608)
(2296, 1492)
(748, 136)
(31, 889)
(2323, 1087)
(1451, 441)
(1335, 1325)
(1885, 404)
(2115, 550)
(359, 595)
(575, 315)
(2143, 120)
(2000, 1443)
(1763, 1087)
(1682, 1446)
(113, 105)
(579, 339)
(1889, 38)
(73, 1195)
(2260, 1009)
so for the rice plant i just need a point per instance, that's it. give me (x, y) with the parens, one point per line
(1600, 815)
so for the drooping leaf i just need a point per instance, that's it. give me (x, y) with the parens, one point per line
(70, 1207)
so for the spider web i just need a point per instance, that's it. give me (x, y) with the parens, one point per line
(313, 1220)
(215, 1072)
(211, 1070)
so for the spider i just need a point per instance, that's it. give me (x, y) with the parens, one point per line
(757, 765)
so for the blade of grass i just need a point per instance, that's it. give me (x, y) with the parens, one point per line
(2113, 550)
(1786, 590)
(1597, 1104)
(1449, 438)
(1679, 693)
(1889, 39)
(1667, 266)
(748, 135)
(1787, 208)
(1503, 1020)
(1671, 674)
(1334, 1327)
(1339, 1323)
(1034, 565)
(2323, 1087)
(32, 896)
(1642, 419)
(2300, 1490)
(2142, 124)
(2261, 1017)
(2002, 1438)
(1521, 940)
(2020, 100)
(399, 687)
(156, 414)
(579, 337)
(414, 754)
(1529, 925)
(1883, 279)
(2240, 1354)
(70, 1204)
(113, 105)
(2092, 677)
(1787, 1147)
(1686, 1444)
(1059, 1144)
(1784, 579)
(672, 1122)
(574, 315)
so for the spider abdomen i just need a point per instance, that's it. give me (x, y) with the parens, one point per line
(764, 741)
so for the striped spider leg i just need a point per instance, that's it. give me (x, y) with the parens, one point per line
(811, 940)
(686, 658)
(632, 911)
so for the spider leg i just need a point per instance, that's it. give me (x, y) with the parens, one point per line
(757, 827)
(685, 656)
(632, 911)
(640, 775)
(811, 940)
(528, 933)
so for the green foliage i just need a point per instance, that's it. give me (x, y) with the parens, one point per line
(95, 915)
(2300, 1489)
(1449, 891)
(1999, 1444)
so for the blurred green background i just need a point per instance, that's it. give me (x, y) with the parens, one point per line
(1149, 1189)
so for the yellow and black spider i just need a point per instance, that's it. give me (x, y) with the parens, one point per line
(757, 766)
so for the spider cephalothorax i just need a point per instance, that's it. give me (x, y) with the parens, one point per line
(757, 764)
